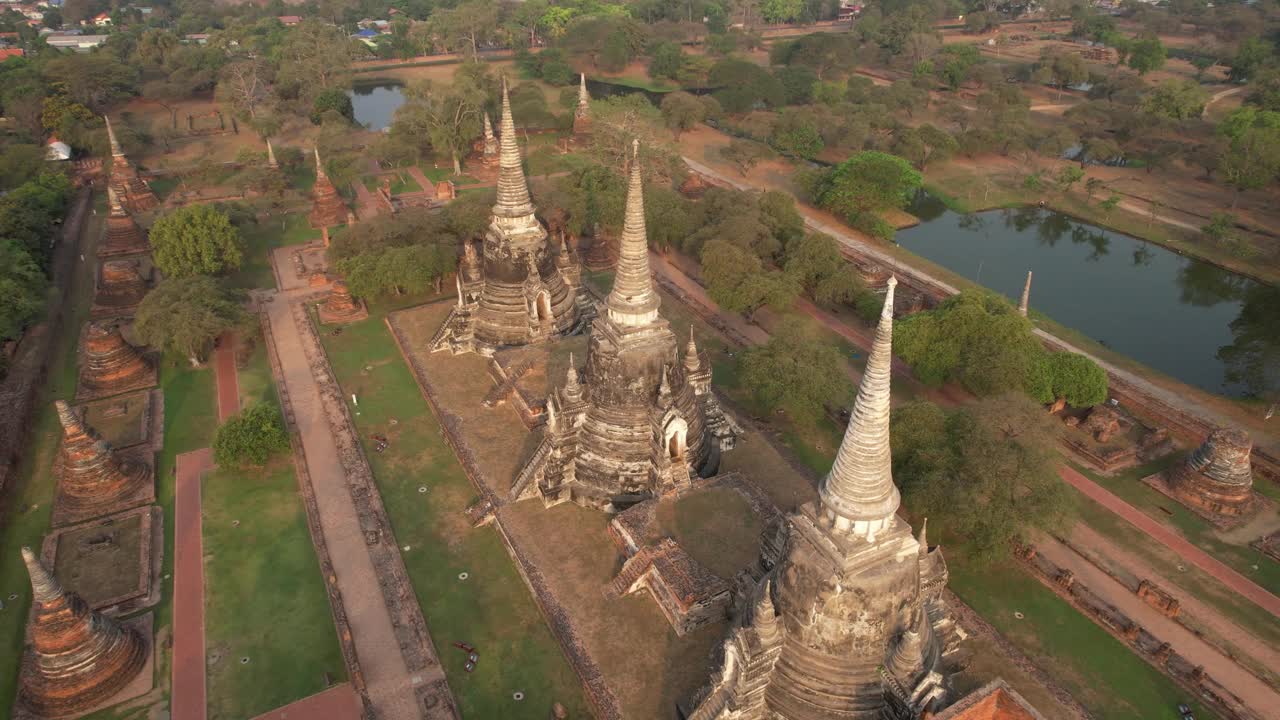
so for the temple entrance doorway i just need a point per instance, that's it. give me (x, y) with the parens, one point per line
(675, 438)
(542, 306)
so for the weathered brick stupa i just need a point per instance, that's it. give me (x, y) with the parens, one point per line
(490, 149)
(327, 208)
(93, 480)
(582, 113)
(1217, 478)
(120, 288)
(111, 366)
(124, 236)
(78, 658)
(340, 307)
(644, 422)
(125, 180)
(850, 623)
(516, 294)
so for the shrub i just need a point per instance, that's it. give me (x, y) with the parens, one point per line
(250, 437)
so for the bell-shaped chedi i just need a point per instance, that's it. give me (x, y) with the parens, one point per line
(1217, 479)
(124, 235)
(327, 208)
(582, 113)
(121, 287)
(341, 307)
(851, 622)
(110, 365)
(521, 295)
(133, 191)
(78, 658)
(93, 478)
(643, 421)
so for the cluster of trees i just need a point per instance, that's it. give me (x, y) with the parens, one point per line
(979, 340)
(866, 183)
(29, 218)
(798, 372)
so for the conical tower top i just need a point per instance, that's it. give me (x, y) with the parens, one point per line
(319, 166)
(271, 156)
(860, 486)
(923, 539)
(584, 98)
(633, 300)
(513, 191)
(691, 360)
(71, 424)
(43, 585)
(571, 386)
(116, 151)
(488, 127)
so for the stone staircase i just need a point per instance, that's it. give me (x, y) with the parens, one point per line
(632, 569)
(531, 468)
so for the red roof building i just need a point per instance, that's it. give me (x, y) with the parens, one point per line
(6, 53)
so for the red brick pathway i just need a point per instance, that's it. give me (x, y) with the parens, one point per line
(224, 365)
(1175, 542)
(188, 702)
(339, 702)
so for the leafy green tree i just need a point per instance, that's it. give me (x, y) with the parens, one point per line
(745, 85)
(185, 315)
(399, 270)
(196, 240)
(1252, 56)
(1072, 377)
(616, 52)
(22, 289)
(314, 56)
(1147, 54)
(19, 163)
(745, 154)
(1221, 228)
(797, 84)
(682, 111)
(797, 372)
(1063, 68)
(867, 182)
(738, 281)
(796, 133)
(95, 80)
(250, 437)
(986, 472)
(781, 11)
(332, 100)
(1069, 175)
(450, 116)
(665, 61)
(668, 217)
(816, 263)
(1176, 100)
(1252, 157)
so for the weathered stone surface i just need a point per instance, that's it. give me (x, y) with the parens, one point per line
(93, 479)
(111, 365)
(851, 622)
(129, 186)
(644, 422)
(582, 113)
(517, 294)
(78, 658)
(124, 236)
(121, 287)
(327, 208)
(1217, 478)
(489, 152)
(340, 307)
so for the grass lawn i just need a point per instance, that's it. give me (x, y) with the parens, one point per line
(260, 240)
(162, 186)
(264, 597)
(445, 172)
(254, 380)
(492, 609)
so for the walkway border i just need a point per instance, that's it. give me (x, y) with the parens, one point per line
(188, 700)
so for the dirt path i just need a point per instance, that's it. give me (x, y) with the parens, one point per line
(1254, 693)
(188, 702)
(1218, 96)
(224, 366)
(428, 187)
(1243, 640)
(339, 702)
(1172, 540)
(391, 688)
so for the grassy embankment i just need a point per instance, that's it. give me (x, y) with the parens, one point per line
(491, 610)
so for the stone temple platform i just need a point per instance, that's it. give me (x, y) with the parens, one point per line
(113, 563)
(568, 549)
(127, 420)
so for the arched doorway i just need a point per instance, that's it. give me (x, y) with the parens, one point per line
(543, 305)
(674, 438)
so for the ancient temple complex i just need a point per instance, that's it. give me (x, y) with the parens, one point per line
(516, 293)
(129, 186)
(93, 479)
(1217, 479)
(643, 420)
(77, 658)
(341, 307)
(582, 113)
(124, 236)
(327, 208)
(111, 365)
(851, 622)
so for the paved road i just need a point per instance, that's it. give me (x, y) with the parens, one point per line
(188, 702)
(389, 684)
(224, 365)
(1172, 540)
(1254, 693)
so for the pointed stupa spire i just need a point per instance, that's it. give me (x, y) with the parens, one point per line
(584, 98)
(923, 539)
(43, 585)
(691, 361)
(1025, 302)
(633, 300)
(71, 424)
(116, 150)
(860, 486)
(764, 617)
(513, 190)
(319, 166)
(488, 128)
(271, 156)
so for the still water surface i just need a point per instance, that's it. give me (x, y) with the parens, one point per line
(375, 103)
(1205, 326)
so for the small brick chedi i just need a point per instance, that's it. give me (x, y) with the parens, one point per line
(94, 479)
(125, 180)
(515, 294)
(112, 365)
(124, 236)
(78, 658)
(327, 208)
(1217, 478)
(340, 307)
(120, 287)
(644, 420)
(851, 622)
(582, 113)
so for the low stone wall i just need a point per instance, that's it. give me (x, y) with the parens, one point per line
(1149, 647)
(603, 702)
(393, 578)
(336, 604)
